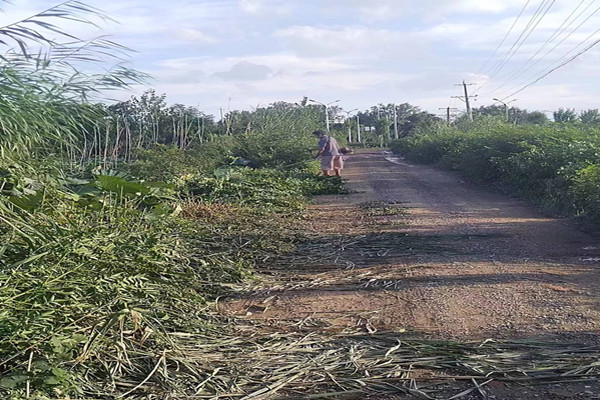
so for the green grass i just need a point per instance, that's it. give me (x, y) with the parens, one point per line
(111, 244)
(96, 273)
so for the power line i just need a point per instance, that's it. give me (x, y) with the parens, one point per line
(527, 31)
(514, 50)
(558, 31)
(559, 61)
(558, 67)
(499, 63)
(524, 68)
(505, 37)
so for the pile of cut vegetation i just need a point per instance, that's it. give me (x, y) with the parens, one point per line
(98, 272)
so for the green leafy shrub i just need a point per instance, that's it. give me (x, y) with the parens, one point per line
(264, 188)
(276, 150)
(167, 163)
(94, 269)
(69, 278)
(425, 149)
(587, 191)
(542, 163)
(82, 288)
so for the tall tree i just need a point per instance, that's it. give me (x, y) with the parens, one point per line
(565, 115)
(590, 117)
(516, 115)
(525, 117)
(418, 122)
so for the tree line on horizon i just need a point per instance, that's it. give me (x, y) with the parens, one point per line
(148, 119)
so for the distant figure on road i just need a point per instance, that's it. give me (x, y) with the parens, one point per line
(329, 152)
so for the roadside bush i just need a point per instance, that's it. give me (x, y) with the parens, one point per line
(276, 150)
(280, 136)
(421, 148)
(542, 163)
(587, 191)
(100, 268)
(480, 155)
(427, 148)
(91, 294)
(80, 285)
(166, 163)
(95, 270)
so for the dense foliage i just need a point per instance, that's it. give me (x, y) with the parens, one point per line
(102, 260)
(514, 115)
(381, 122)
(96, 265)
(93, 270)
(119, 224)
(553, 164)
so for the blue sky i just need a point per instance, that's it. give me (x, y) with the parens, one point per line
(238, 54)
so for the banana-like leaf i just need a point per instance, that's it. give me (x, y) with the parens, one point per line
(116, 184)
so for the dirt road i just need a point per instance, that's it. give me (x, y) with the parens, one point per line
(417, 249)
(418, 253)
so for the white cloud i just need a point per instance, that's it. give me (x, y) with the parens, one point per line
(266, 7)
(449, 30)
(381, 11)
(487, 6)
(196, 36)
(280, 64)
(386, 10)
(357, 42)
(363, 52)
(245, 71)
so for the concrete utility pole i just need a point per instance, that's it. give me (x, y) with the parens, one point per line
(469, 111)
(389, 133)
(395, 122)
(449, 113)
(358, 128)
(349, 128)
(505, 106)
(466, 98)
(326, 110)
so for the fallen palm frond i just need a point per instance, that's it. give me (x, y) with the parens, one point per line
(317, 366)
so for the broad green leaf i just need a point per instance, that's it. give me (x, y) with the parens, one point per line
(120, 185)
(28, 202)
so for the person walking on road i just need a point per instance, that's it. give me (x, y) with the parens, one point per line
(329, 152)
